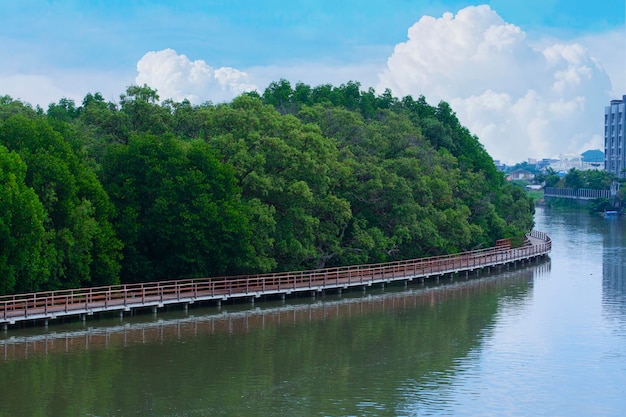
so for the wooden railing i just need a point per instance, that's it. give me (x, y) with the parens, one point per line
(237, 321)
(51, 304)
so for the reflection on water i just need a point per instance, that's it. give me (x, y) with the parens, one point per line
(361, 354)
(614, 268)
(546, 339)
(240, 319)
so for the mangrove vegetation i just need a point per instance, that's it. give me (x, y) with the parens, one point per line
(294, 178)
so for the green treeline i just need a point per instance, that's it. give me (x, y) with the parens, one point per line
(592, 179)
(295, 178)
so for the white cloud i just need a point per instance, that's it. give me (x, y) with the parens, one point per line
(177, 77)
(519, 100)
(609, 50)
(50, 86)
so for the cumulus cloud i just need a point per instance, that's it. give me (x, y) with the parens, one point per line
(519, 100)
(177, 77)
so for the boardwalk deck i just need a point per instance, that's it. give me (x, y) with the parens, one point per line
(87, 301)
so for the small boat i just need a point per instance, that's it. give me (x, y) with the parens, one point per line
(611, 213)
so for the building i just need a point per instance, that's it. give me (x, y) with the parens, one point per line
(520, 175)
(545, 163)
(593, 159)
(614, 141)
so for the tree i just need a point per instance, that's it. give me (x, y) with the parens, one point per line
(81, 247)
(140, 105)
(179, 213)
(280, 95)
(574, 179)
(22, 236)
(64, 111)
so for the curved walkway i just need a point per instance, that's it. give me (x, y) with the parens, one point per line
(123, 298)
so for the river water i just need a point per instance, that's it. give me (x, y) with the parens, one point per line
(545, 339)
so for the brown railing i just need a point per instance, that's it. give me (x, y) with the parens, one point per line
(51, 304)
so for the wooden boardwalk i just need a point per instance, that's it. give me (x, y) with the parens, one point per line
(124, 298)
(241, 321)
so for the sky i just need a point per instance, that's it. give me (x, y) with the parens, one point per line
(530, 78)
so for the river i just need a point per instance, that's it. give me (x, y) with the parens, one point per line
(545, 339)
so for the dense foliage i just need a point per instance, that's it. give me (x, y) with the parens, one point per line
(576, 179)
(295, 178)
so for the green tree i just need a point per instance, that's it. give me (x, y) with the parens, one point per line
(140, 105)
(81, 246)
(22, 235)
(179, 213)
(574, 179)
(281, 96)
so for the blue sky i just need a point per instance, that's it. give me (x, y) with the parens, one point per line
(56, 48)
(238, 33)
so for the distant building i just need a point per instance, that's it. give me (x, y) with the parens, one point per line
(545, 163)
(593, 159)
(567, 162)
(614, 140)
(500, 166)
(520, 175)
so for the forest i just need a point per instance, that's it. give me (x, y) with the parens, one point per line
(298, 177)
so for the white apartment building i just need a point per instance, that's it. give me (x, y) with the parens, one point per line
(614, 137)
